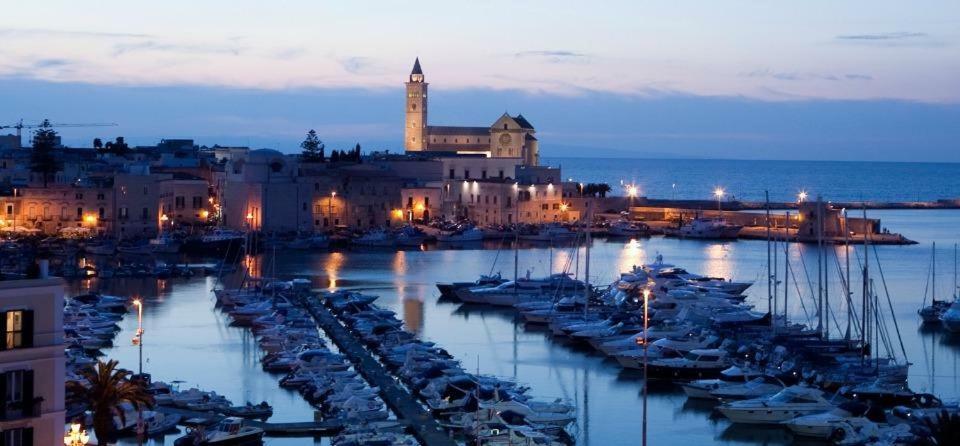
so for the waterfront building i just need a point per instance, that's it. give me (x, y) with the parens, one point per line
(32, 362)
(509, 137)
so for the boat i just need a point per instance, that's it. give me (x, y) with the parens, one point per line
(789, 403)
(249, 410)
(932, 314)
(695, 364)
(220, 239)
(138, 249)
(449, 290)
(411, 236)
(624, 228)
(472, 234)
(231, 431)
(709, 228)
(831, 425)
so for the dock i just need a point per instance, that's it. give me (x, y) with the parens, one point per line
(419, 420)
(289, 429)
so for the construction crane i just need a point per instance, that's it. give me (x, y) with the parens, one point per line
(46, 124)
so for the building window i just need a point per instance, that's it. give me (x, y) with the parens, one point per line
(483, 174)
(9, 209)
(426, 202)
(79, 213)
(21, 436)
(103, 213)
(17, 329)
(100, 196)
(466, 174)
(123, 213)
(78, 196)
(452, 174)
(197, 202)
(501, 174)
(180, 202)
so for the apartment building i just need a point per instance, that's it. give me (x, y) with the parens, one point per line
(31, 362)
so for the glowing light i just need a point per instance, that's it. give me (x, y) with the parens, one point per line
(564, 207)
(249, 215)
(802, 196)
(420, 207)
(719, 193)
(632, 191)
(76, 436)
(333, 194)
(397, 213)
(163, 217)
(204, 213)
(90, 219)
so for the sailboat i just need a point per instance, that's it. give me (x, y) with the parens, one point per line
(931, 314)
(951, 317)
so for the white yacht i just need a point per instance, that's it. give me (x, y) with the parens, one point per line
(623, 228)
(468, 235)
(376, 238)
(789, 403)
(230, 431)
(550, 233)
(831, 425)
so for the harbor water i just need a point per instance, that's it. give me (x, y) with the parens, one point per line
(187, 340)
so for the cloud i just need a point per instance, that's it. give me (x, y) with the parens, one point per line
(799, 76)
(358, 65)
(183, 48)
(901, 35)
(552, 56)
(40, 32)
(51, 63)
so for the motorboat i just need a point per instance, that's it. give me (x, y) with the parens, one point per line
(314, 241)
(624, 228)
(695, 364)
(671, 347)
(511, 293)
(231, 431)
(709, 228)
(411, 236)
(789, 403)
(758, 387)
(830, 425)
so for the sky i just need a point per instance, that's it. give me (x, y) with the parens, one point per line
(815, 79)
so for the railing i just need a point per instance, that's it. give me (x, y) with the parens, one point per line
(21, 409)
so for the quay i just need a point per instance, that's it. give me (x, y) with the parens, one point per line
(419, 420)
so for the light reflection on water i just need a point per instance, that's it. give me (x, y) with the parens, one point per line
(185, 338)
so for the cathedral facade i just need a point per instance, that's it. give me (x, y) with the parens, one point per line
(508, 137)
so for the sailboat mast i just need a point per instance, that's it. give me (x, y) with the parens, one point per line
(819, 223)
(786, 269)
(848, 290)
(586, 259)
(933, 272)
(766, 196)
(865, 332)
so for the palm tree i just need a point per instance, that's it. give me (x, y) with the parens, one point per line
(104, 389)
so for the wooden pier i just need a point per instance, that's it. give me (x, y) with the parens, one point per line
(420, 421)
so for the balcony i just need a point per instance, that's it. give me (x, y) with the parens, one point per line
(22, 409)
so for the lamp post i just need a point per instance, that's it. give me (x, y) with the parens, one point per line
(802, 196)
(646, 301)
(333, 194)
(632, 192)
(718, 192)
(76, 436)
(138, 341)
(163, 221)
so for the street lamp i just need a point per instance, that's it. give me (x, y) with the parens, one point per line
(333, 194)
(802, 196)
(76, 436)
(718, 192)
(163, 220)
(138, 341)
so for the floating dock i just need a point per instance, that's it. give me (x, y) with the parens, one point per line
(306, 428)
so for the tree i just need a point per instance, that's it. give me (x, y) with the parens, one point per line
(104, 390)
(119, 147)
(602, 189)
(97, 143)
(334, 156)
(356, 154)
(43, 157)
(313, 148)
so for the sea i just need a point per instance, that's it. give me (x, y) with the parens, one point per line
(189, 341)
(747, 180)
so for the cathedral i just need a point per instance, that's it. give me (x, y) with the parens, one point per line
(508, 137)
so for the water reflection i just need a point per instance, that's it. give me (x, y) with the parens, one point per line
(632, 255)
(334, 262)
(716, 261)
(413, 314)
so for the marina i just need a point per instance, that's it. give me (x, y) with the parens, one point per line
(411, 292)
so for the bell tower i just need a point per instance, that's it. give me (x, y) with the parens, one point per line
(415, 131)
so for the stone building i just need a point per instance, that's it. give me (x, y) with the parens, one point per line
(509, 137)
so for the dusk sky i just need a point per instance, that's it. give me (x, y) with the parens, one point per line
(735, 79)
